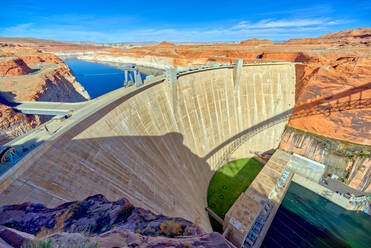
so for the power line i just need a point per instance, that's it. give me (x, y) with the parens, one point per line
(101, 74)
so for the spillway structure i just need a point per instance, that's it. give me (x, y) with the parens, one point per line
(157, 145)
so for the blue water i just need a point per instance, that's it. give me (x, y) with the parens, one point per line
(306, 219)
(98, 79)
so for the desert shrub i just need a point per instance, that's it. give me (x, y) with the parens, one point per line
(40, 244)
(171, 228)
(187, 231)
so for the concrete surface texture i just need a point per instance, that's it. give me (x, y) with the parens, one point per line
(140, 148)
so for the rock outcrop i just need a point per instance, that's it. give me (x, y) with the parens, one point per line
(96, 220)
(27, 74)
(285, 56)
(14, 124)
(13, 66)
(166, 44)
(355, 37)
(345, 92)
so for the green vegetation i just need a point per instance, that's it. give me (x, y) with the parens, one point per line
(41, 244)
(50, 244)
(229, 182)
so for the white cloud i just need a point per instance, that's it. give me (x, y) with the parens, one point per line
(18, 29)
(317, 10)
(269, 23)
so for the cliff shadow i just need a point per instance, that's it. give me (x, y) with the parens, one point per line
(8, 98)
(160, 172)
(351, 99)
(73, 95)
(229, 182)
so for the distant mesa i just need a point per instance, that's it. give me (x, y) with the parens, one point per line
(360, 33)
(361, 36)
(254, 42)
(167, 44)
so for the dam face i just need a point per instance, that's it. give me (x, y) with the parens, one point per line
(158, 152)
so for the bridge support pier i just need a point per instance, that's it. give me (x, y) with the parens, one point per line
(171, 79)
(138, 80)
(132, 76)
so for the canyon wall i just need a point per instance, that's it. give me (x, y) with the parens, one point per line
(13, 66)
(350, 162)
(74, 54)
(158, 145)
(161, 63)
(27, 74)
(14, 124)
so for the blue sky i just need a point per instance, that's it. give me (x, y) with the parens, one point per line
(114, 21)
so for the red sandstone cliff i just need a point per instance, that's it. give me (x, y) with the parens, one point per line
(355, 37)
(13, 66)
(27, 74)
(13, 124)
(254, 42)
(166, 44)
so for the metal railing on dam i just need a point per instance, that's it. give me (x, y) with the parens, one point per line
(142, 144)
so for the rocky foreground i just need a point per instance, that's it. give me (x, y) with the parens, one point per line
(96, 220)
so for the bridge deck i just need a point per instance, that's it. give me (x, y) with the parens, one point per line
(48, 108)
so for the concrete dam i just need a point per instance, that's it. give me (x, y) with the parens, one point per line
(157, 145)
